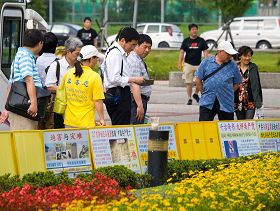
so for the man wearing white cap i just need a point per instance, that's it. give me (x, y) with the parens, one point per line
(84, 91)
(217, 78)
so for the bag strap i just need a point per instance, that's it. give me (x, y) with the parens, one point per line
(215, 71)
(102, 72)
(57, 72)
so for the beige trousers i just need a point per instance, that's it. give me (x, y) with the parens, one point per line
(21, 123)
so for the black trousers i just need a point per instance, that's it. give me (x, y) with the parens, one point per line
(133, 119)
(245, 114)
(58, 121)
(206, 114)
(120, 114)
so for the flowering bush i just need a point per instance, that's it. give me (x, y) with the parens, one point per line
(252, 185)
(100, 190)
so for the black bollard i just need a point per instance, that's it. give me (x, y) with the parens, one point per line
(157, 156)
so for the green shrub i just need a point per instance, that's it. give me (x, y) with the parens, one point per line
(125, 177)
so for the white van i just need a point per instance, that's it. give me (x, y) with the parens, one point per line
(256, 32)
(14, 19)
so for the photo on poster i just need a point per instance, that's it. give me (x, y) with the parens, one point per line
(119, 150)
(231, 149)
(83, 150)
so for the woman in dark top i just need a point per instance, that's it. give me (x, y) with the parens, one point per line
(248, 97)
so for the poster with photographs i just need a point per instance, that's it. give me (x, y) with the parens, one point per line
(114, 146)
(269, 135)
(239, 138)
(67, 151)
(142, 136)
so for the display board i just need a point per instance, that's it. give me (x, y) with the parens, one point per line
(114, 146)
(269, 135)
(239, 138)
(67, 151)
(142, 136)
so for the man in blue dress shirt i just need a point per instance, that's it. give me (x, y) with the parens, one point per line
(218, 90)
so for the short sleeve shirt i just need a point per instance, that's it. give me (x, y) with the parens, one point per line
(24, 65)
(87, 36)
(193, 49)
(219, 85)
(81, 94)
(137, 67)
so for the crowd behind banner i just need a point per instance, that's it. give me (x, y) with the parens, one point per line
(50, 93)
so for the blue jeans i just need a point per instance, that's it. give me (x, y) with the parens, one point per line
(133, 119)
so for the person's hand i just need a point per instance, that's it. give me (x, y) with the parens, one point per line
(4, 116)
(102, 122)
(140, 113)
(32, 110)
(139, 80)
(179, 66)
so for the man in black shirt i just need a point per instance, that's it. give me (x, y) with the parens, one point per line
(191, 48)
(87, 35)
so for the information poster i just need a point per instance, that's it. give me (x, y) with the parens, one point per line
(269, 135)
(67, 151)
(239, 138)
(114, 146)
(142, 136)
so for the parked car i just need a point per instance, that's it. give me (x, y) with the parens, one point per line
(63, 31)
(163, 35)
(256, 32)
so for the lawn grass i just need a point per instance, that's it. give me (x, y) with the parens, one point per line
(160, 63)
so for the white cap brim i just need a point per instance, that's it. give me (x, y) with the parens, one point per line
(231, 51)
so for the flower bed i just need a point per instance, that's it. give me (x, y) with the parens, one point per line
(247, 183)
(253, 185)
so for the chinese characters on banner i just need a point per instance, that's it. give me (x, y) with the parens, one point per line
(114, 146)
(67, 151)
(142, 136)
(269, 135)
(239, 138)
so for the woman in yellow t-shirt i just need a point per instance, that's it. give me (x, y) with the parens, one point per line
(84, 91)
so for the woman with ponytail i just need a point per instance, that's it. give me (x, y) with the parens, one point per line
(84, 91)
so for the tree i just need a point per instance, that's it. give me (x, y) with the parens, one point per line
(229, 8)
(39, 6)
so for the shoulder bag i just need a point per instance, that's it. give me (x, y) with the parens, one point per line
(18, 100)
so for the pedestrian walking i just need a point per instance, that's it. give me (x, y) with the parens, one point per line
(191, 51)
(248, 97)
(217, 78)
(87, 35)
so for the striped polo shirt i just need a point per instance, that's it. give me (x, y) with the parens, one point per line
(24, 65)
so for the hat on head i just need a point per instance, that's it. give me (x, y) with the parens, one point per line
(89, 51)
(227, 47)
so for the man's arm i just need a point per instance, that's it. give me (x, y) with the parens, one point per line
(235, 86)
(206, 53)
(100, 111)
(180, 60)
(31, 90)
(95, 42)
(198, 83)
(136, 92)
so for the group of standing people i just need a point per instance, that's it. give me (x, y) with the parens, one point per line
(122, 67)
(226, 85)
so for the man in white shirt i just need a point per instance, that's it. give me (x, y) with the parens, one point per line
(117, 76)
(55, 73)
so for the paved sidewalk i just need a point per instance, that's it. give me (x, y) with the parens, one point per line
(169, 103)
